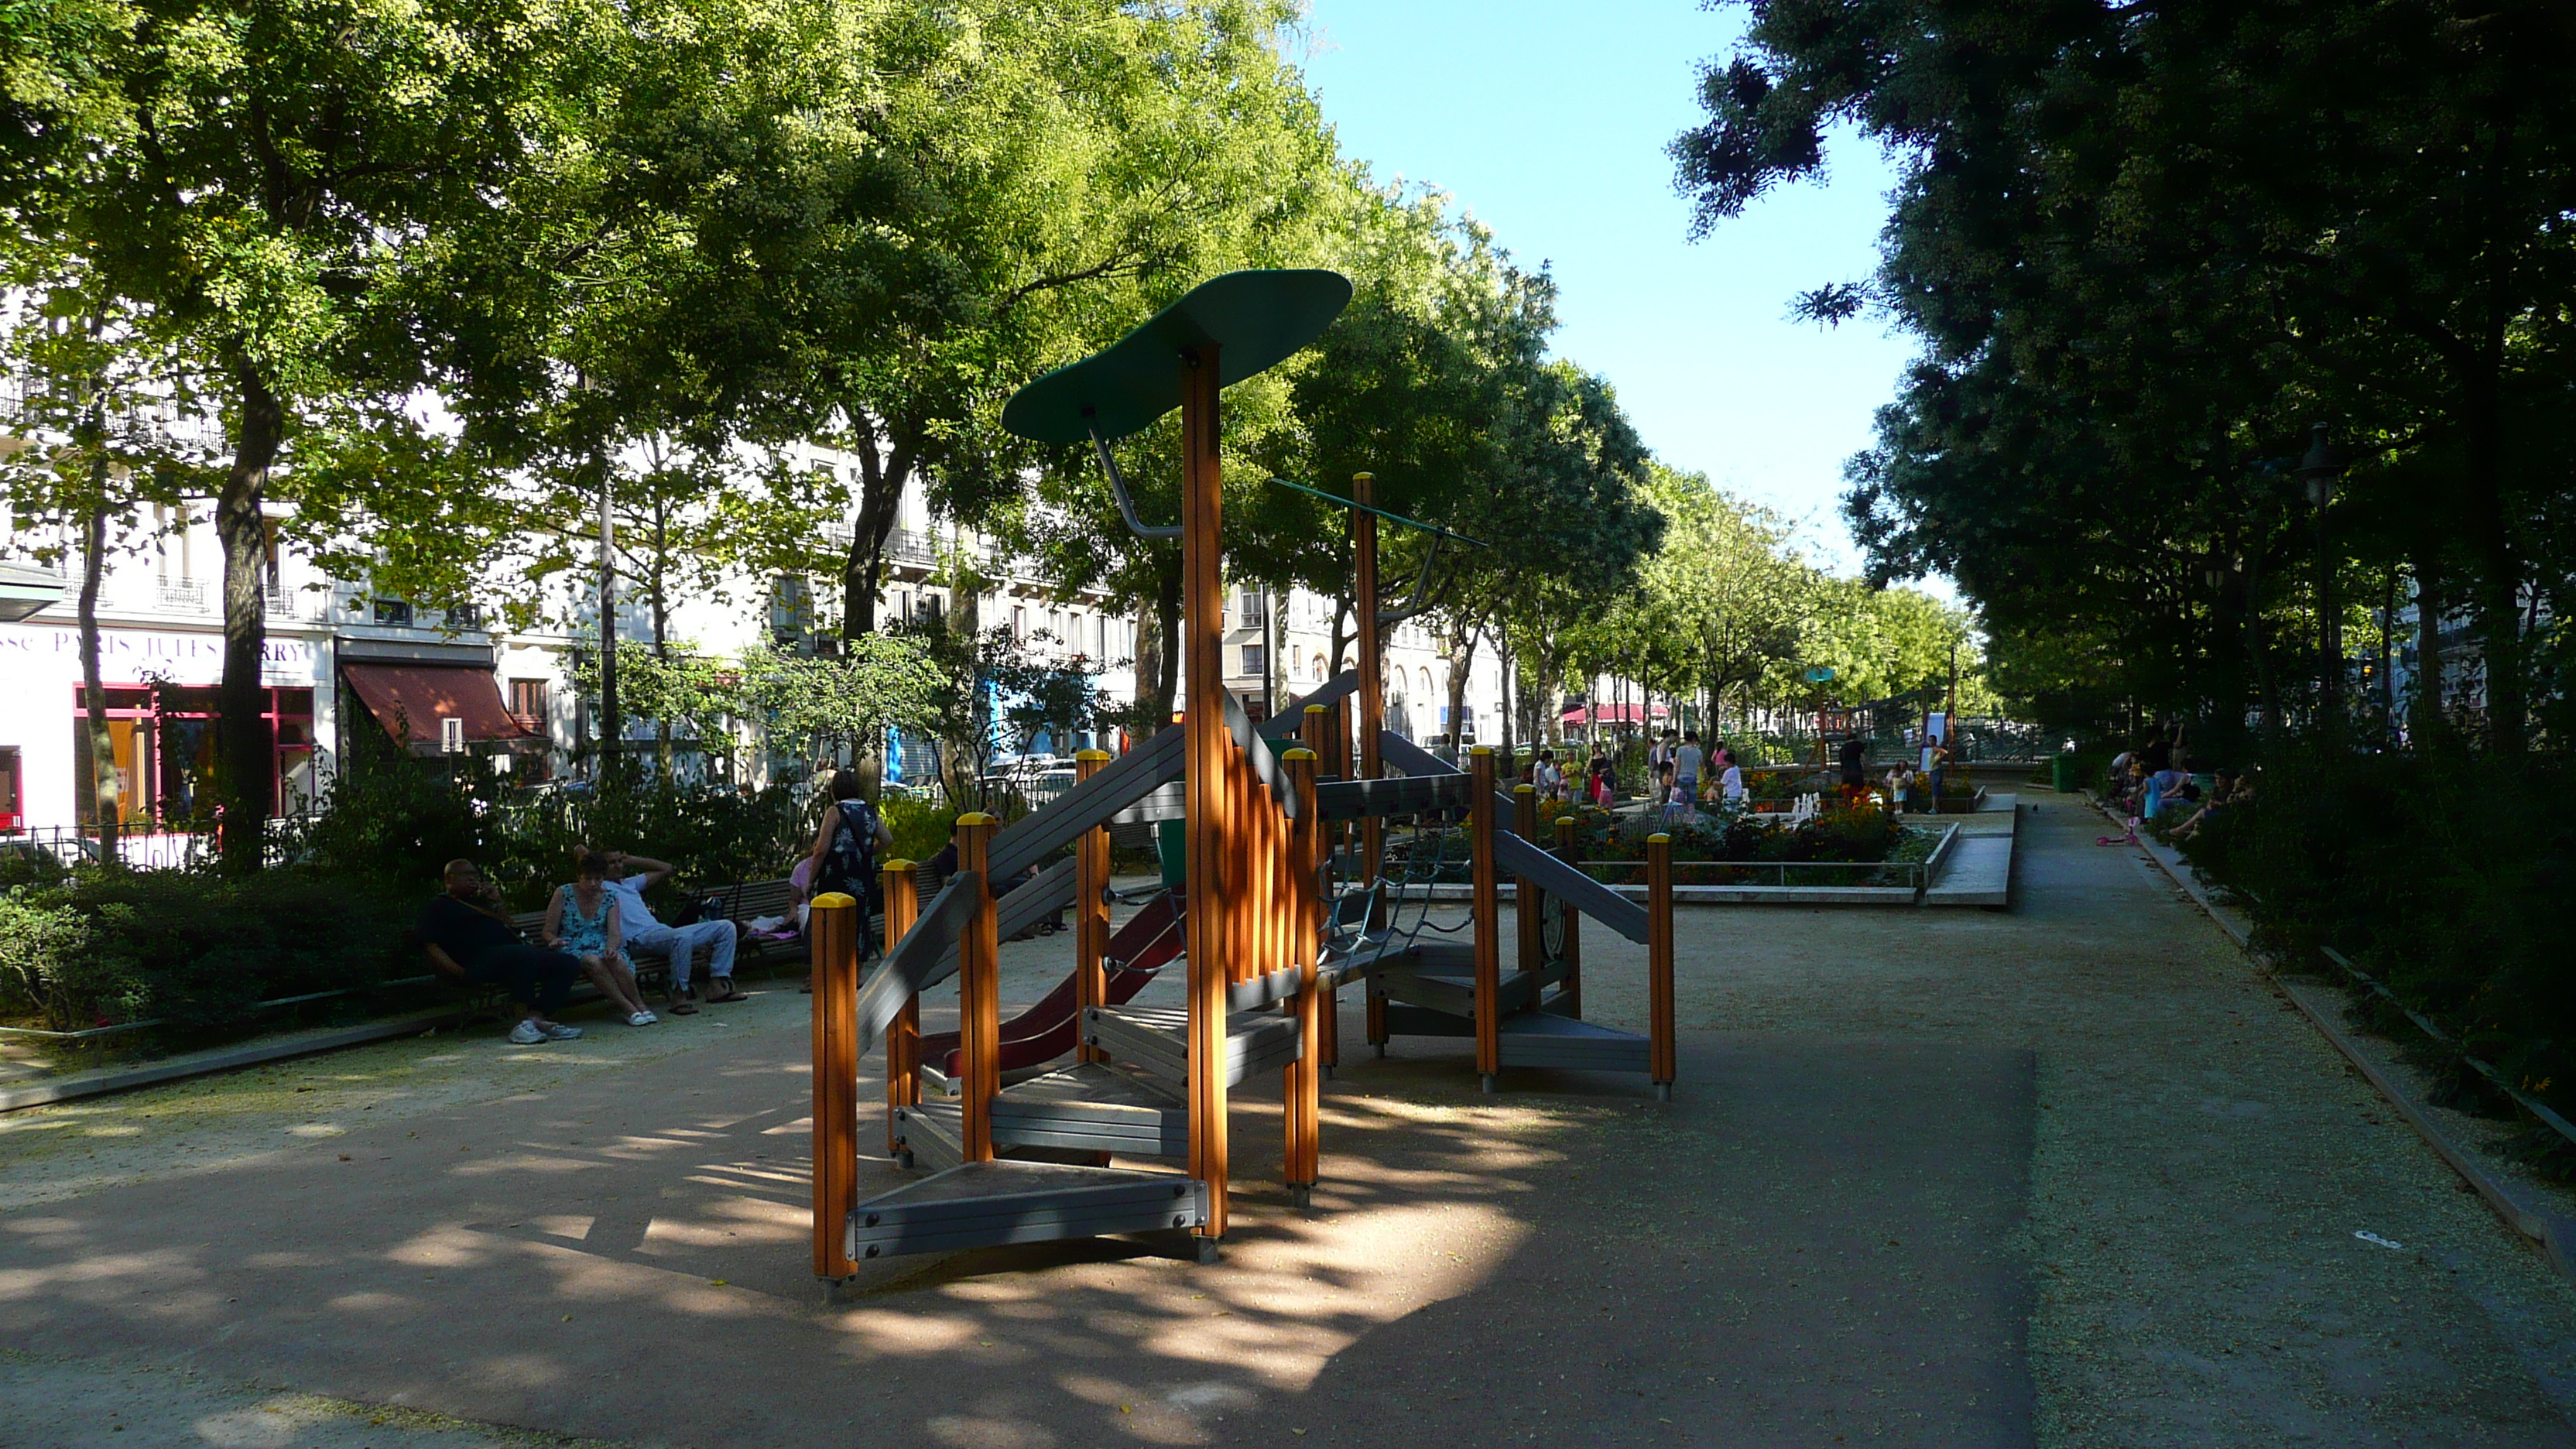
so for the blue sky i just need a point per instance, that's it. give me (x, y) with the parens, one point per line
(1548, 122)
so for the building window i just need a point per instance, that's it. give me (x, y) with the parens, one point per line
(1019, 623)
(13, 809)
(791, 609)
(528, 704)
(163, 743)
(394, 612)
(1249, 612)
(465, 616)
(1256, 659)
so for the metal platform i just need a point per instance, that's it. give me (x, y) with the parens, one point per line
(929, 1135)
(1157, 1040)
(1098, 1106)
(982, 1204)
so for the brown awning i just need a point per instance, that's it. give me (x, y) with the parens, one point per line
(409, 700)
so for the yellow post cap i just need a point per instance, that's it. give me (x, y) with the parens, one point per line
(899, 863)
(1299, 753)
(1525, 788)
(1480, 749)
(1659, 838)
(975, 817)
(1091, 754)
(1319, 709)
(833, 901)
(1363, 477)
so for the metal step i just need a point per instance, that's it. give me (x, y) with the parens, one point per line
(1541, 1038)
(931, 1135)
(1157, 1039)
(1546, 1039)
(1101, 1106)
(982, 1204)
(1443, 989)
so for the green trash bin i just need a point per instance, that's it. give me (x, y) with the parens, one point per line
(2061, 774)
(1172, 842)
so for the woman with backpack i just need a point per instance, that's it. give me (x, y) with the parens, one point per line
(852, 838)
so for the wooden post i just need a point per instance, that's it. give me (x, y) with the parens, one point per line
(1570, 994)
(979, 993)
(1301, 1101)
(1327, 1043)
(1488, 916)
(1213, 844)
(1372, 721)
(1659, 963)
(903, 1039)
(1090, 910)
(833, 923)
(1529, 903)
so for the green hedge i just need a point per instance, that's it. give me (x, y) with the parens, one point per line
(95, 947)
(2442, 875)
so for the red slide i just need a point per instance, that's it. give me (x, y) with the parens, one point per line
(1145, 945)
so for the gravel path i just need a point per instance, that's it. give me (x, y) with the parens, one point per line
(2201, 1164)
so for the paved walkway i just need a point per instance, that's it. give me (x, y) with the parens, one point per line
(2068, 1175)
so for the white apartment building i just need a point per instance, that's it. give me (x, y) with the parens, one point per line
(342, 660)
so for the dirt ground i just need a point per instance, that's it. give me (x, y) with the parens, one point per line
(2068, 1175)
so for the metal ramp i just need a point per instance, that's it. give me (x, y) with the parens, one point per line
(986, 1204)
(1094, 1106)
(1157, 1040)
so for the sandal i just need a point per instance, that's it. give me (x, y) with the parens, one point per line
(731, 993)
(808, 988)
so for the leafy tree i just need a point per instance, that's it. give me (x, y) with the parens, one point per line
(249, 175)
(2146, 250)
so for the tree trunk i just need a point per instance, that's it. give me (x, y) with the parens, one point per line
(248, 756)
(1510, 707)
(612, 725)
(1462, 661)
(2425, 724)
(107, 804)
(2497, 592)
(881, 485)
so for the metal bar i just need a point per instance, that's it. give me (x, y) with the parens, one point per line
(1659, 963)
(1211, 839)
(903, 1038)
(1090, 907)
(1288, 723)
(1570, 951)
(1361, 505)
(833, 923)
(1092, 802)
(920, 958)
(1488, 916)
(1411, 758)
(1529, 902)
(1566, 882)
(1257, 756)
(979, 995)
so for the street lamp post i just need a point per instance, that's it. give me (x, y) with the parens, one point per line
(2321, 469)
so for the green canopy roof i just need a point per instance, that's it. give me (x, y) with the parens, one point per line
(1256, 319)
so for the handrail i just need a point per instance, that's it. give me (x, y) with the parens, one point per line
(912, 964)
(1089, 804)
(1285, 724)
(1256, 753)
(1540, 867)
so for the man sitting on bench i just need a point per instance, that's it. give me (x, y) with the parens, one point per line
(632, 875)
(470, 942)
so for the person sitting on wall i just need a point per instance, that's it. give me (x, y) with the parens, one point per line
(470, 942)
(630, 876)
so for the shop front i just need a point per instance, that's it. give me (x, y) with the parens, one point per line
(159, 695)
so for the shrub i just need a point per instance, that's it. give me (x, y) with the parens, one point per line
(921, 829)
(2439, 874)
(194, 950)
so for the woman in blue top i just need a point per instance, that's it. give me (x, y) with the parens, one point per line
(582, 919)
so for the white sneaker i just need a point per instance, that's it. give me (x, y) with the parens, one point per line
(639, 1018)
(527, 1033)
(557, 1031)
(649, 1017)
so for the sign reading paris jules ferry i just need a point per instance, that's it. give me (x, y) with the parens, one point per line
(132, 654)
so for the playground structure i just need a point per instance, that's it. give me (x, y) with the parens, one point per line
(1284, 898)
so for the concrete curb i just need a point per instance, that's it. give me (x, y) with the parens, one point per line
(2552, 1233)
(72, 1086)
